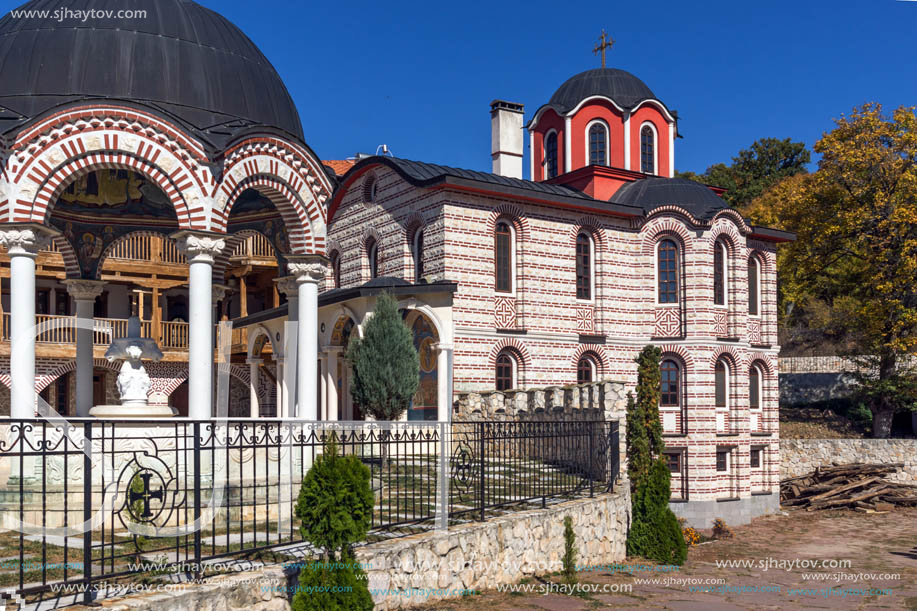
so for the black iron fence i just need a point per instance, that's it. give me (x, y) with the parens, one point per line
(91, 501)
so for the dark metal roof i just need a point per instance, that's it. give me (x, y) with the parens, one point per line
(623, 87)
(422, 174)
(182, 60)
(651, 193)
(385, 284)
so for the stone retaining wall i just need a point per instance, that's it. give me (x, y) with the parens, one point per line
(478, 555)
(801, 456)
(503, 550)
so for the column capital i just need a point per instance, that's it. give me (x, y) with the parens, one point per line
(307, 268)
(84, 290)
(288, 286)
(218, 292)
(254, 361)
(26, 238)
(334, 349)
(199, 246)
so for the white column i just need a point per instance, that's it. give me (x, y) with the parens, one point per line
(278, 384)
(443, 382)
(84, 293)
(254, 371)
(23, 246)
(331, 383)
(200, 250)
(308, 271)
(288, 286)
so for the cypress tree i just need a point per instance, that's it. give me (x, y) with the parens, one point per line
(386, 368)
(654, 532)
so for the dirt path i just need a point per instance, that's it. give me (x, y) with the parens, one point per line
(878, 545)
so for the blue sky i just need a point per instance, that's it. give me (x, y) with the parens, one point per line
(419, 76)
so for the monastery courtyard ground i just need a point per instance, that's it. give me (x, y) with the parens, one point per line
(879, 545)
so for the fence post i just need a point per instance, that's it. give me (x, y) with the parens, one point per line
(592, 426)
(197, 500)
(481, 450)
(87, 511)
(442, 517)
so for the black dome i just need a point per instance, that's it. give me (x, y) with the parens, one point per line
(621, 86)
(182, 59)
(651, 193)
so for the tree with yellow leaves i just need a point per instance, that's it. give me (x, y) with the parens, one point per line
(856, 249)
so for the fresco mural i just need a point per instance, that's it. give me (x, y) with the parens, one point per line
(423, 407)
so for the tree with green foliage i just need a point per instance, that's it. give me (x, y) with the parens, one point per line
(334, 508)
(386, 368)
(755, 169)
(854, 261)
(654, 531)
(570, 552)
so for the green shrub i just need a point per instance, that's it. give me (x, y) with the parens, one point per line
(317, 585)
(335, 502)
(335, 507)
(654, 531)
(570, 552)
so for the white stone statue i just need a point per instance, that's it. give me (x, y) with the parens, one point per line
(133, 381)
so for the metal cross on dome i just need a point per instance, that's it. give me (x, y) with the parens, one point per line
(606, 43)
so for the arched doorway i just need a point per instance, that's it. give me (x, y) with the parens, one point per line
(340, 337)
(425, 404)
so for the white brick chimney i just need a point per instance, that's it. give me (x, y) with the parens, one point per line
(506, 138)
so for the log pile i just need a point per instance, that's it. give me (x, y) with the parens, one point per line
(861, 487)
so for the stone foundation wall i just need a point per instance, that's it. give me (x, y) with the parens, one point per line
(503, 550)
(475, 556)
(801, 456)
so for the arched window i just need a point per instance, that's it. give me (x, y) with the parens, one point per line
(372, 254)
(719, 273)
(503, 257)
(721, 382)
(667, 271)
(505, 374)
(336, 269)
(671, 378)
(586, 370)
(598, 139)
(647, 150)
(583, 266)
(754, 287)
(550, 155)
(418, 255)
(754, 387)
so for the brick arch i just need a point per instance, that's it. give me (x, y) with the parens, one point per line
(276, 162)
(677, 211)
(590, 225)
(737, 220)
(42, 381)
(299, 224)
(765, 361)
(514, 215)
(727, 232)
(592, 349)
(411, 224)
(221, 261)
(654, 232)
(735, 358)
(109, 133)
(57, 180)
(679, 353)
(519, 350)
(108, 249)
(71, 261)
(332, 245)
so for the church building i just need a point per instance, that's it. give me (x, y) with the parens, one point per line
(187, 200)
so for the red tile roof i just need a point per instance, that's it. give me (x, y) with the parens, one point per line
(340, 166)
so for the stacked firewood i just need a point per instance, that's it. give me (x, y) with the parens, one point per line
(860, 487)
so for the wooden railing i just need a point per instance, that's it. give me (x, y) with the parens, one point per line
(174, 334)
(254, 246)
(155, 249)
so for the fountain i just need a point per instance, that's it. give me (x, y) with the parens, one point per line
(133, 380)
